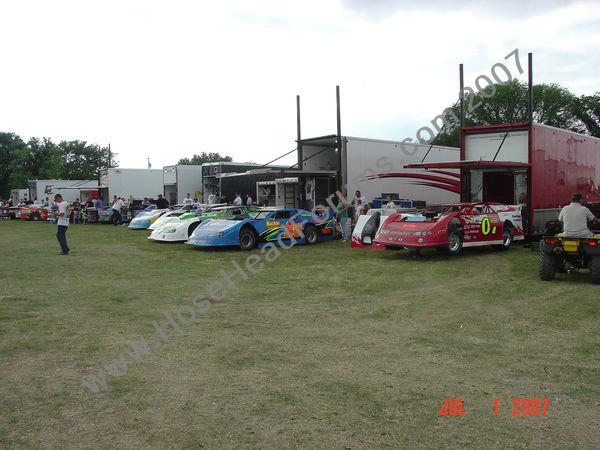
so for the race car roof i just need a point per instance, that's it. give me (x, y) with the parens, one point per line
(475, 164)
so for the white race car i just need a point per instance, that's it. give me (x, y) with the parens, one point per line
(368, 225)
(174, 212)
(176, 229)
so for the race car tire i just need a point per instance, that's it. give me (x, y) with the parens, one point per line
(455, 243)
(595, 269)
(247, 239)
(35, 217)
(311, 235)
(546, 267)
(507, 239)
(192, 227)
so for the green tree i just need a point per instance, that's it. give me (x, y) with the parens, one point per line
(553, 105)
(204, 158)
(587, 108)
(12, 148)
(43, 159)
(83, 161)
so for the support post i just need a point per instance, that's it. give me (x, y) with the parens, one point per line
(339, 139)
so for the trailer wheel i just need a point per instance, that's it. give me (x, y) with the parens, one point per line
(507, 239)
(311, 234)
(247, 239)
(455, 243)
(546, 267)
(595, 269)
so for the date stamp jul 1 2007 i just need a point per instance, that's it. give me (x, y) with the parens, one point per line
(521, 407)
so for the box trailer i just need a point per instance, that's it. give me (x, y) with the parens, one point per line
(69, 189)
(376, 168)
(227, 178)
(18, 194)
(535, 165)
(281, 192)
(180, 180)
(131, 183)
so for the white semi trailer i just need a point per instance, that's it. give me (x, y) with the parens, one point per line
(131, 183)
(180, 180)
(375, 167)
(70, 190)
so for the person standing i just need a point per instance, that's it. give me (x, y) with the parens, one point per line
(343, 220)
(63, 223)
(76, 211)
(238, 199)
(248, 200)
(188, 199)
(358, 196)
(389, 204)
(116, 209)
(161, 202)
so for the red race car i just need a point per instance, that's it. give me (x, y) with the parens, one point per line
(458, 226)
(32, 212)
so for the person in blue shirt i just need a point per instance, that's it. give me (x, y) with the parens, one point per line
(99, 203)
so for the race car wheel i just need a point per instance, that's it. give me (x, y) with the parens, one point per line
(247, 239)
(455, 243)
(192, 227)
(311, 235)
(595, 269)
(546, 267)
(35, 217)
(507, 239)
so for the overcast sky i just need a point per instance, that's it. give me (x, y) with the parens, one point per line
(166, 79)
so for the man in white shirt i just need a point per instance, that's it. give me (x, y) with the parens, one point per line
(63, 223)
(212, 199)
(248, 200)
(238, 199)
(116, 208)
(575, 217)
(358, 196)
(188, 199)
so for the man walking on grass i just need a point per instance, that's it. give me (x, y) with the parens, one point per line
(63, 223)
(116, 209)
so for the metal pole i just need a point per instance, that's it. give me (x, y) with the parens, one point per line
(530, 89)
(461, 95)
(302, 186)
(339, 139)
(298, 129)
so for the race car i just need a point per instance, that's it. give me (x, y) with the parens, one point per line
(33, 212)
(267, 226)
(460, 225)
(144, 219)
(175, 212)
(177, 229)
(368, 225)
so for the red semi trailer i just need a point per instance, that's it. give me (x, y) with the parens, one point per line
(534, 165)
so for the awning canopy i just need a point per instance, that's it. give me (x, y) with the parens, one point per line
(282, 172)
(477, 164)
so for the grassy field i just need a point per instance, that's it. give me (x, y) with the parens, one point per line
(327, 347)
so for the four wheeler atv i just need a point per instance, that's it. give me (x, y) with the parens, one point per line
(564, 254)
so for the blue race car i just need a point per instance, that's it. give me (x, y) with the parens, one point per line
(146, 218)
(269, 225)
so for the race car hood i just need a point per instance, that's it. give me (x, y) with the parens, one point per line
(176, 222)
(212, 226)
(407, 225)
